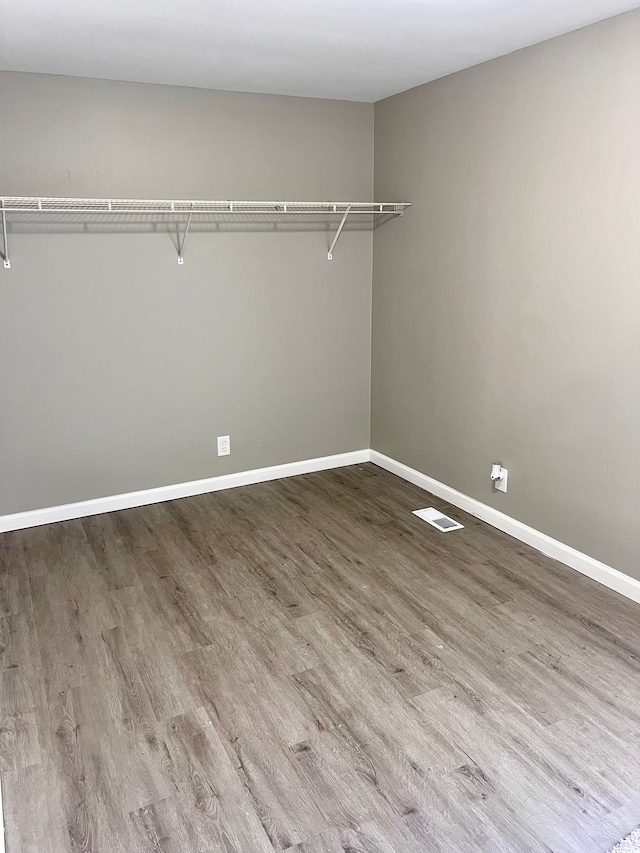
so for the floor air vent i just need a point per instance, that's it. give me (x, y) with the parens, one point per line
(437, 519)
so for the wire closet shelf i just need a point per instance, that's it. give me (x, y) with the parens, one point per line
(186, 209)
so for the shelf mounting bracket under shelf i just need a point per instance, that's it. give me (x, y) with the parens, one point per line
(5, 256)
(184, 239)
(338, 232)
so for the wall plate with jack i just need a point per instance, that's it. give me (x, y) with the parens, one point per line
(224, 445)
(501, 484)
(499, 477)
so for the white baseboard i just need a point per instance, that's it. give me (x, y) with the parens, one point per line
(2, 829)
(36, 517)
(606, 575)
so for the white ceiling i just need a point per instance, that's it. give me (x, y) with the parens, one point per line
(359, 50)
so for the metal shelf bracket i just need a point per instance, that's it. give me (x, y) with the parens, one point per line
(338, 232)
(5, 256)
(184, 239)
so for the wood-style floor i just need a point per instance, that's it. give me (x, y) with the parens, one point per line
(303, 665)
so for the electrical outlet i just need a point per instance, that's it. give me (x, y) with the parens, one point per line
(224, 445)
(501, 484)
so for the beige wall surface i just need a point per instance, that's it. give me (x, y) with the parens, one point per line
(118, 368)
(506, 302)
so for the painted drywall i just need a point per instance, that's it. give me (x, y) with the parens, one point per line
(118, 368)
(506, 302)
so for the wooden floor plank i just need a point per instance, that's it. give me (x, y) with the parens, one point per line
(303, 665)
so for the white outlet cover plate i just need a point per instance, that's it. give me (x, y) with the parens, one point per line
(224, 445)
(501, 484)
(438, 519)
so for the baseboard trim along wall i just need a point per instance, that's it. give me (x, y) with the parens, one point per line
(606, 575)
(96, 506)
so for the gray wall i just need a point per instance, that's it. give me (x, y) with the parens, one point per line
(118, 368)
(506, 306)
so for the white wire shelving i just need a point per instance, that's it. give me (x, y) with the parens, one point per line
(15, 208)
